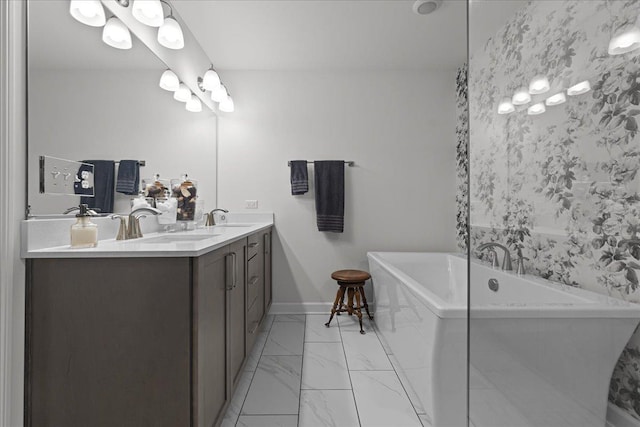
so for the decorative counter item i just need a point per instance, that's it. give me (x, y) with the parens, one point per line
(169, 209)
(185, 191)
(84, 233)
(156, 188)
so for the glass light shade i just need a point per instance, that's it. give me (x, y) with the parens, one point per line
(116, 34)
(521, 96)
(556, 99)
(170, 34)
(539, 84)
(89, 12)
(626, 40)
(579, 88)
(169, 81)
(226, 105)
(536, 109)
(219, 93)
(211, 80)
(194, 105)
(149, 12)
(183, 94)
(506, 107)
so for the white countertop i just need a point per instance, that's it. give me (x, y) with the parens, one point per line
(157, 244)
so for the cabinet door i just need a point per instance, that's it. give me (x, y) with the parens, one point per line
(267, 271)
(236, 309)
(209, 383)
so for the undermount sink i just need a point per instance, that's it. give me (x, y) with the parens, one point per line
(234, 225)
(177, 238)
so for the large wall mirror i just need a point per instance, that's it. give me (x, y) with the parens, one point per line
(90, 101)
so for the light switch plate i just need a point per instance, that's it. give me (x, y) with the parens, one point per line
(251, 204)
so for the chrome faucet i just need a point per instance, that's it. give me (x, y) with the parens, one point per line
(133, 228)
(211, 220)
(506, 261)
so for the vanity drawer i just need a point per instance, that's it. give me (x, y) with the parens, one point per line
(254, 245)
(255, 281)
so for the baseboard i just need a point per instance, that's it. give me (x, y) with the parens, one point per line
(617, 417)
(300, 308)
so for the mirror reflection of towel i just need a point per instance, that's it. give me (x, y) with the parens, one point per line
(128, 177)
(103, 182)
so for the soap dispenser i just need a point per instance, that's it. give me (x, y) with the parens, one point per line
(84, 233)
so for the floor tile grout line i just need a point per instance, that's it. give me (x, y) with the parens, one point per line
(353, 392)
(304, 334)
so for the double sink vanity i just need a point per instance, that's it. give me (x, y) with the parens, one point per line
(152, 331)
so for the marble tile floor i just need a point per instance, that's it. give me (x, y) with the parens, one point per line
(303, 374)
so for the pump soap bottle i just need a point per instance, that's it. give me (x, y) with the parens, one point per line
(84, 233)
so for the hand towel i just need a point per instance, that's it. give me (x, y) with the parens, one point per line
(103, 183)
(299, 177)
(329, 182)
(128, 177)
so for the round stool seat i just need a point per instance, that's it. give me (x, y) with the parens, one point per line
(350, 276)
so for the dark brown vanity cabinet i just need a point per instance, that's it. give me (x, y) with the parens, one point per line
(137, 341)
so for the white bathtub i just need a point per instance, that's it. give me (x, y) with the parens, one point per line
(541, 353)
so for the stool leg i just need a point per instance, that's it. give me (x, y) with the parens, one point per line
(340, 307)
(350, 301)
(364, 302)
(339, 297)
(358, 311)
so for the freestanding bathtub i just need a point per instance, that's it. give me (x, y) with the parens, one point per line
(540, 353)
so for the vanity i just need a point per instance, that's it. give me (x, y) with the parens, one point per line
(152, 331)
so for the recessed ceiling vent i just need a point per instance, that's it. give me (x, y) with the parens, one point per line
(424, 7)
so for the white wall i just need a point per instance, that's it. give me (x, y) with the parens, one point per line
(117, 114)
(399, 128)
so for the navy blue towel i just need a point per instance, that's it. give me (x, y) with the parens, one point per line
(299, 177)
(103, 183)
(128, 177)
(329, 182)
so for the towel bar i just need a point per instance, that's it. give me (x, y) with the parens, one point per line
(347, 162)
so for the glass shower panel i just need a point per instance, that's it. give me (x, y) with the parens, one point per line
(554, 155)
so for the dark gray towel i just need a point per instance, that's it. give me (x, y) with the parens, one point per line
(103, 182)
(299, 177)
(128, 177)
(329, 182)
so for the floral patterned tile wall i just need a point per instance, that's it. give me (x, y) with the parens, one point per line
(561, 188)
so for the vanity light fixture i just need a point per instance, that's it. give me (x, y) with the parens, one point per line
(183, 94)
(539, 84)
(506, 107)
(226, 105)
(556, 99)
(521, 97)
(219, 93)
(169, 81)
(579, 88)
(116, 34)
(536, 109)
(170, 34)
(211, 80)
(625, 40)
(193, 104)
(89, 12)
(148, 12)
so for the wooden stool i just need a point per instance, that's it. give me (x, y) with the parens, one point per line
(352, 282)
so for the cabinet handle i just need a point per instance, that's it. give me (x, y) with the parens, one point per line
(266, 244)
(235, 269)
(255, 327)
(230, 272)
(254, 280)
(254, 244)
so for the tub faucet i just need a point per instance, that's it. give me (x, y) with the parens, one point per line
(133, 228)
(506, 261)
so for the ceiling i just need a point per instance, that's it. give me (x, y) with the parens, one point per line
(327, 34)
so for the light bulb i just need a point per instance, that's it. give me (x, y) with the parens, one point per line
(538, 85)
(506, 107)
(89, 12)
(149, 12)
(170, 34)
(536, 109)
(116, 34)
(211, 80)
(556, 99)
(193, 104)
(219, 93)
(183, 94)
(521, 96)
(226, 105)
(579, 88)
(169, 81)
(626, 40)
